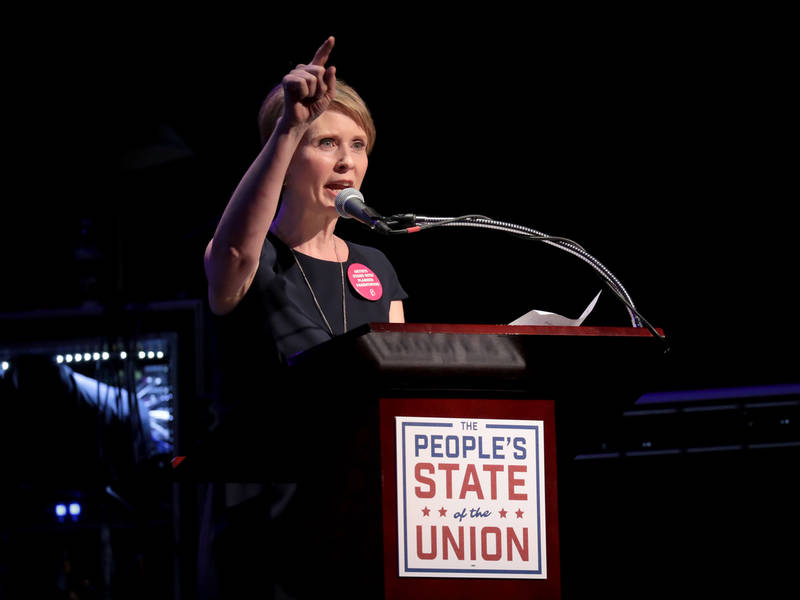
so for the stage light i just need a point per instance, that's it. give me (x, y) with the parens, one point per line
(105, 355)
(96, 356)
(159, 354)
(142, 354)
(159, 414)
(68, 358)
(73, 509)
(78, 358)
(4, 365)
(123, 355)
(151, 354)
(59, 359)
(87, 356)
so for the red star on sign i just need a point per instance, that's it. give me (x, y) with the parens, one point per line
(503, 513)
(519, 513)
(426, 511)
(443, 512)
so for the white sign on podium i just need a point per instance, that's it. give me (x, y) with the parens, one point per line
(470, 498)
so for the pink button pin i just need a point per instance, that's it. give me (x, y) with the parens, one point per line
(365, 281)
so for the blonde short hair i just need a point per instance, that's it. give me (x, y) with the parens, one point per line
(346, 101)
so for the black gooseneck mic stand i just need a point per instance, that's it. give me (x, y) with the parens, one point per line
(411, 223)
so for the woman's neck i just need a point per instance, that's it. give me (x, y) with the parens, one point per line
(309, 233)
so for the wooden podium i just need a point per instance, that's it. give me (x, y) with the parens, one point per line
(393, 530)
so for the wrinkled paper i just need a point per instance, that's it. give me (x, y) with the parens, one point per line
(541, 317)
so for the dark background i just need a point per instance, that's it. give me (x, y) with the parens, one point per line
(660, 141)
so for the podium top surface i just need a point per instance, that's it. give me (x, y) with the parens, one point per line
(449, 352)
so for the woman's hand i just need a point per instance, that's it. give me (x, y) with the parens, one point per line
(309, 89)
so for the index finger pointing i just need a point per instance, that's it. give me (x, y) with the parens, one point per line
(323, 52)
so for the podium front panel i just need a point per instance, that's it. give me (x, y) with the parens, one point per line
(469, 495)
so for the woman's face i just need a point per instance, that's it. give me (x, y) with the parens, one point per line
(331, 157)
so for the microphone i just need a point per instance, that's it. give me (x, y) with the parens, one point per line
(350, 205)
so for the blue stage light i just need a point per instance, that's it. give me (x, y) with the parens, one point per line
(61, 510)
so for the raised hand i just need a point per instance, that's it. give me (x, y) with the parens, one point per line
(309, 89)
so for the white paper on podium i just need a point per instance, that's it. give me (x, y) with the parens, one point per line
(541, 317)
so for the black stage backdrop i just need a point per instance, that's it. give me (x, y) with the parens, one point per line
(658, 140)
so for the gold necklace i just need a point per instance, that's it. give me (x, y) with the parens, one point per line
(314, 296)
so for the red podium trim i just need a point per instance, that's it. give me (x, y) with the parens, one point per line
(512, 329)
